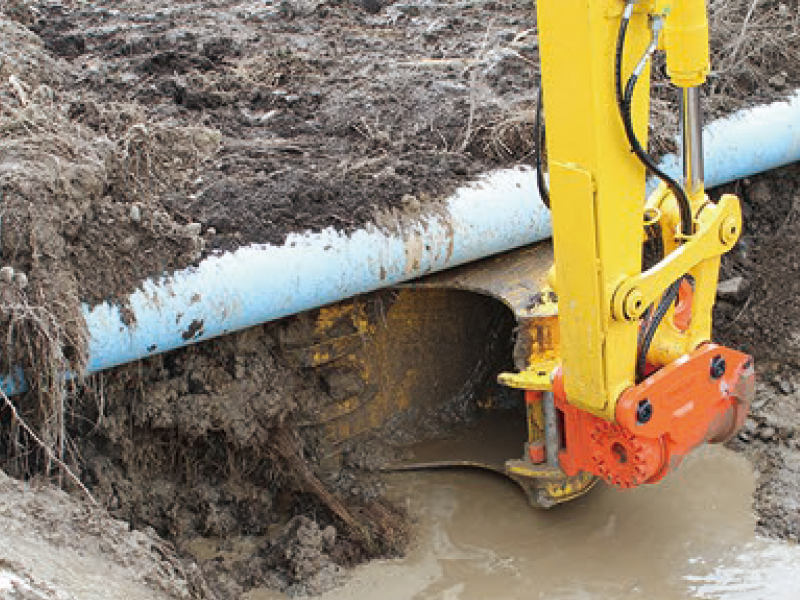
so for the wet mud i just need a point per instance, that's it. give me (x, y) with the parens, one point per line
(690, 537)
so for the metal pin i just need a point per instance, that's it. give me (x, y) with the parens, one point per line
(552, 436)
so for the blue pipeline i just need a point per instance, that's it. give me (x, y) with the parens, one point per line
(500, 212)
(747, 142)
(261, 283)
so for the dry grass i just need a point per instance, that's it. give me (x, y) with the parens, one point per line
(755, 46)
(755, 57)
(53, 171)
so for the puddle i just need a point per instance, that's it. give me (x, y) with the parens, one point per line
(477, 538)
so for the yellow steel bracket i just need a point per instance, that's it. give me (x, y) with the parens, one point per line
(718, 228)
(537, 378)
(540, 326)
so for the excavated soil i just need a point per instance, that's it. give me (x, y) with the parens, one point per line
(758, 313)
(138, 137)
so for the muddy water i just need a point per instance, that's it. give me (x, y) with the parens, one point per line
(690, 537)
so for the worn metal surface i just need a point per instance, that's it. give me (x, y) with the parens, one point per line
(514, 278)
(427, 357)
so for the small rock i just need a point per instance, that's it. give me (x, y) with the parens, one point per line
(411, 202)
(759, 193)
(749, 426)
(292, 99)
(136, 213)
(744, 436)
(412, 10)
(6, 274)
(211, 231)
(21, 280)
(193, 229)
(760, 403)
(128, 244)
(778, 81)
(767, 434)
(128, 77)
(329, 537)
(786, 386)
(734, 289)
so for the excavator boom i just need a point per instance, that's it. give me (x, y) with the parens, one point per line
(637, 383)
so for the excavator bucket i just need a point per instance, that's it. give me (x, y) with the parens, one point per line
(418, 366)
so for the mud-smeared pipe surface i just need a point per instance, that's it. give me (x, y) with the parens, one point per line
(477, 538)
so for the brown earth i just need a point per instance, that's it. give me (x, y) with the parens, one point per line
(138, 137)
(761, 317)
(40, 525)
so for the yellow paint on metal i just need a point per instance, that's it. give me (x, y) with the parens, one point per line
(535, 423)
(718, 227)
(418, 351)
(597, 191)
(541, 334)
(352, 311)
(686, 42)
(537, 378)
(597, 187)
(547, 486)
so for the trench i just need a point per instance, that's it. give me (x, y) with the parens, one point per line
(476, 537)
(473, 533)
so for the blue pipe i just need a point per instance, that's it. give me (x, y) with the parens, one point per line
(747, 142)
(261, 283)
(500, 212)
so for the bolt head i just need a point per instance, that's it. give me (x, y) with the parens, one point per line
(644, 412)
(729, 231)
(634, 304)
(717, 367)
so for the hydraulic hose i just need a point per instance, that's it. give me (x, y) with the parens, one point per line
(624, 102)
(667, 299)
(538, 142)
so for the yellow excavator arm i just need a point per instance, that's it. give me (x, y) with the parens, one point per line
(634, 382)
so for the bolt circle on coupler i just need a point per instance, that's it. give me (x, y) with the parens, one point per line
(717, 367)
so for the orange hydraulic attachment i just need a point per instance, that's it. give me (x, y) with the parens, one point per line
(701, 397)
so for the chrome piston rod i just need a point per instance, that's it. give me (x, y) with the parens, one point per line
(692, 140)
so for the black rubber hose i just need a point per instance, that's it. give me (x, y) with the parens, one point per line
(538, 142)
(667, 300)
(684, 206)
(620, 48)
(624, 101)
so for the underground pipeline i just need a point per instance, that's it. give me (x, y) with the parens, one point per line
(499, 212)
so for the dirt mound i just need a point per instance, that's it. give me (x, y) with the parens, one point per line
(54, 547)
(204, 446)
(75, 205)
(762, 316)
(758, 311)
